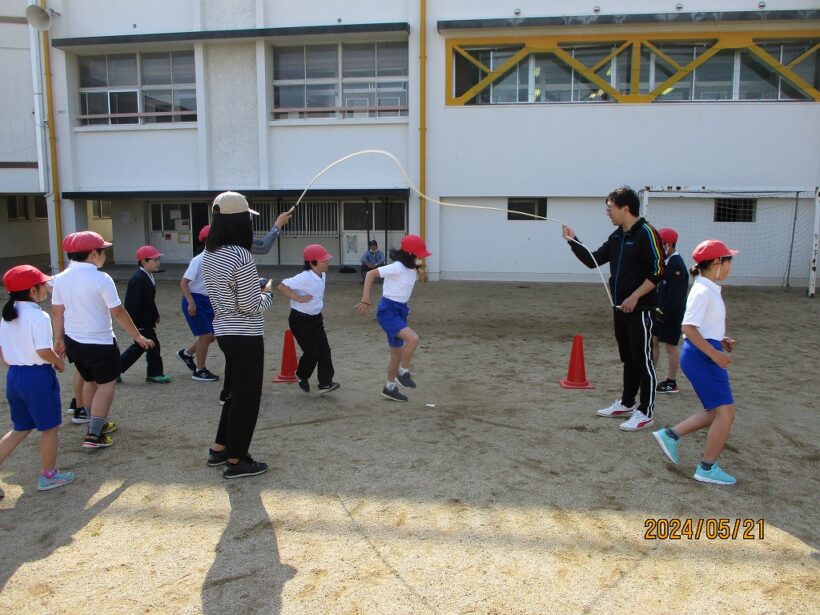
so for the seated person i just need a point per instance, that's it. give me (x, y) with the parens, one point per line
(372, 259)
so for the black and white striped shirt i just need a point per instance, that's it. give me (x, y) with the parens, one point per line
(233, 287)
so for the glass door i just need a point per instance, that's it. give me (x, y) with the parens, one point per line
(171, 231)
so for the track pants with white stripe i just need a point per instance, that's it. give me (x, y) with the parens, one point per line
(633, 332)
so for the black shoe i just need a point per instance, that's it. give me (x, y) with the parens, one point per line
(405, 380)
(304, 385)
(245, 467)
(393, 394)
(203, 375)
(217, 458)
(188, 360)
(80, 416)
(329, 387)
(668, 386)
(223, 396)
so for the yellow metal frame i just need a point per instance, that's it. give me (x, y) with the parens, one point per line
(628, 43)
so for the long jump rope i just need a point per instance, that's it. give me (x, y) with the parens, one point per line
(413, 187)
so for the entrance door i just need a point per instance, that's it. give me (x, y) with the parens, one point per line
(171, 231)
(356, 224)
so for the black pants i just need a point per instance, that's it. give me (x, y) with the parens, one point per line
(244, 367)
(633, 332)
(309, 332)
(152, 356)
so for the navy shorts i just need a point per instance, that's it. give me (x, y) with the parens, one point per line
(392, 317)
(98, 363)
(668, 332)
(203, 322)
(34, 397)
(710, 380)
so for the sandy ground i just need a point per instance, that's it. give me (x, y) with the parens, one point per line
(492, 491)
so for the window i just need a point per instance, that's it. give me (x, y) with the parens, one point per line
(137, 88)
(340, 80)
(17, 207)
(735, 210)
(100, 209)
(40, 207)
(525, 209)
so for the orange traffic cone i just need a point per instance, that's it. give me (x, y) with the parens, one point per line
(576, 374)
(288, 371)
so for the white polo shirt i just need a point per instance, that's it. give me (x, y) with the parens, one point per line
(88, 295)
(196, 281)
(705, 309)
(398, 281)
(308, 283)
(21, 338)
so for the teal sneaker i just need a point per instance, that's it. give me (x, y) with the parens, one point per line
(162, 379)
(668, 445)
(58, 480)
(716, 476)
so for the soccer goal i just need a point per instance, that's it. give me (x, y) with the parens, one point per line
(775, 230)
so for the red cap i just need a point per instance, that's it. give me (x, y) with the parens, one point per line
(23, 277)
(147, 252)
(668, 235)
(203, 233)
(413, 244)
(711, 249)
(85, 241)
(316, 252)
(68, 243)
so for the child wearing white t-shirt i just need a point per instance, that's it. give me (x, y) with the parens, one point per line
(399, 278)
(306, 292)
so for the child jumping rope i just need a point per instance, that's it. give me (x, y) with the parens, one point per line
(399, 278)
(32, 389)
(704, 361)
(306, 292)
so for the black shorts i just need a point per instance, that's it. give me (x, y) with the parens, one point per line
(669, 332)
(98, 363)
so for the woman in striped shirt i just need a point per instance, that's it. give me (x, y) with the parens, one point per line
(233, 287)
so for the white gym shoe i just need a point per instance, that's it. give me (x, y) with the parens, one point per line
(617, 409)
(637, 421)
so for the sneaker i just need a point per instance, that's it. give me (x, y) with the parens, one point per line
(393, 394)
(637, 421)
(716, 476)
(405, 380)
(203, 375)
(668, 445)
(58, 480)
(162, 379)
(108, 428)
(187, 359)
(617, 409)
(329, 387)
(668, 386)
(304, 385)
(80, 416)
(223, 397)
(217, 458)
(92, 441)
(245, 467)
(72, 406)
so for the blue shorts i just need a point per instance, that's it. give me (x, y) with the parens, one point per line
(34, 397)
(710, 380)
(203, 322)
(392, 317)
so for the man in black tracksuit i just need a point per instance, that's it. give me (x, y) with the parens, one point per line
(636, 263)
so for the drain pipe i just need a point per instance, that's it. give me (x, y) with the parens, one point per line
(423, 126)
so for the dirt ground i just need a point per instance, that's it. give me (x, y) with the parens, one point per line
(492, 491)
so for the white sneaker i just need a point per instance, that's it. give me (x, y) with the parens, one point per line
(637, 421)
(617, 409)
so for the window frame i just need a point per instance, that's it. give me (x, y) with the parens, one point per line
(737, 210)
(15, 200)
(539, 208)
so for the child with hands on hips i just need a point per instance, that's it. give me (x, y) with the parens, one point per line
(32, 390)
(399, 278)
(704, 361)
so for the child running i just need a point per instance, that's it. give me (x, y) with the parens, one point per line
(306, 292)
(704, 361)
(399, 278)
(32, 389)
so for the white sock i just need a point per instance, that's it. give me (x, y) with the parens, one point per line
(403, 371)
(390, 385)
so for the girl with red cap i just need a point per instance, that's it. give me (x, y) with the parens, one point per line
(32, 390)
(306, 292)
(704, 360)
(399, 278)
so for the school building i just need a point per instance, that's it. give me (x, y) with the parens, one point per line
(129, 117)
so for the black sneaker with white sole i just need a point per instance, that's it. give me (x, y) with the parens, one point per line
(223, 396)
(203, 375)
(187, 359)
(327, 388)
(217, 458)
(393, 394)
(405, 380)
(245, 467)
(304, 385)
(80, 416)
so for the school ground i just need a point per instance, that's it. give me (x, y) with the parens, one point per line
(492, 491)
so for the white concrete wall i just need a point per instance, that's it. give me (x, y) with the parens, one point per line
(22, 237)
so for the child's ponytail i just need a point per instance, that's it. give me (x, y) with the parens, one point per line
(405, 258)
(9, 311)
